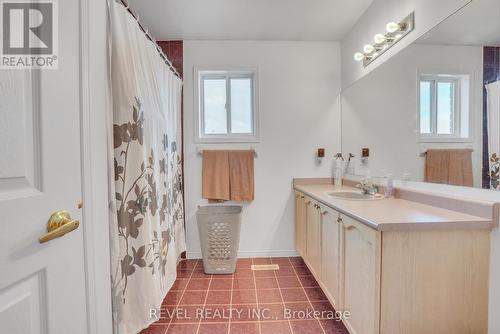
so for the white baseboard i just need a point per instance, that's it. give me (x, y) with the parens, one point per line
(252, 254)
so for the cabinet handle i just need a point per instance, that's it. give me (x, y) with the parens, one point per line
(349, 227)
(302, 196)
(308, 202)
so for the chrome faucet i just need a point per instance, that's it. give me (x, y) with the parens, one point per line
(367, 187)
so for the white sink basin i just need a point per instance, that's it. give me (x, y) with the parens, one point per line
(353, 195)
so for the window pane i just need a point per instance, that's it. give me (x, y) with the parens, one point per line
(445, 107)
(425, 106)
(241, 105)
(214, 93)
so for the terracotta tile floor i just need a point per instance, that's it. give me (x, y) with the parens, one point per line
(246, 302)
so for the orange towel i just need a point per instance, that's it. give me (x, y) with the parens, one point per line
(228, 175)
(215, 183)
(460, 168)
(449, 166)
(436, 166)
(241, 175)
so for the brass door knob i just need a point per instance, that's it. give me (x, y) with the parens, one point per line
(59, 224)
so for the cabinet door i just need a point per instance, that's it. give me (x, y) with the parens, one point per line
(308, 214)
(300, 224)
(361, 276)
(313, 240)
(316, 239)
(330, 254)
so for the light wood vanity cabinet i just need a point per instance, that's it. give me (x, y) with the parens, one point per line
(300, 225)
(360, 276)
(313, 242)
(397, 282)
(435, 282)
(330, 254)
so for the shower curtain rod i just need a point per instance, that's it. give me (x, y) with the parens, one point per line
(158, 48)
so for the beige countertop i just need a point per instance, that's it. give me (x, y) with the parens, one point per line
(395, 214)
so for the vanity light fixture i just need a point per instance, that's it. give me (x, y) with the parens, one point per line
(392, 27)
(358, 56)
(395, 32)
(368, 48)
(379, 38)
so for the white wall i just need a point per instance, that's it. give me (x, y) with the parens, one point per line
(380, 111)
(428, 13)
(299, 84)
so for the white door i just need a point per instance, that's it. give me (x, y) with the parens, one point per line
(42, 285)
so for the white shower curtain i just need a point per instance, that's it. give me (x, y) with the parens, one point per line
(147, 224)
(493, 94)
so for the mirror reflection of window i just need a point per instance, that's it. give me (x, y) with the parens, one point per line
(443, 106)
(425, 106)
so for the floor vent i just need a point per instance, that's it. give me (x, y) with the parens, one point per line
(265, 267)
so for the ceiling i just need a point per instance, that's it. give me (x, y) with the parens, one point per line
(280, 20)
(477, 24)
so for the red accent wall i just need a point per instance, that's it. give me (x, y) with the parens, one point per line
(174, 50)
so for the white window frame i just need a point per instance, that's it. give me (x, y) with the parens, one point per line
(227, 74)
(461, 113)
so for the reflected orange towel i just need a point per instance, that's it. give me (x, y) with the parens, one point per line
(460, 168)
(241, 175)
(436, 166)
(215, 183)
(449, 166)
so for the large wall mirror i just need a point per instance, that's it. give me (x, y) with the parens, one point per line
(431, 112)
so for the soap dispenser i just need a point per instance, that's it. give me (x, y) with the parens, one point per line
(338, 170)
(389, 186)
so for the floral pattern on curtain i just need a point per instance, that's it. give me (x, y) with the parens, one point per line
(493, 105)
(147, 225)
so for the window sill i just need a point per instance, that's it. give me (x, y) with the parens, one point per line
(227, 140)
(444, 140)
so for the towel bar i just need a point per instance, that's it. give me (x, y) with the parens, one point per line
(424, 153)
(200, 150)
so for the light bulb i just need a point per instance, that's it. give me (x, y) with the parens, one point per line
(392, 27)
(368, 48)
(379, 38)
(358, 56)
